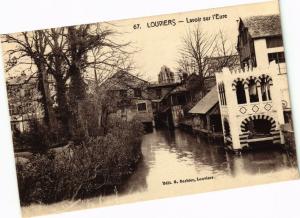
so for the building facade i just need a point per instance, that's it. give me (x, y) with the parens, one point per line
(254, 99)
(25, 101)
(131, 98)
(166, 75)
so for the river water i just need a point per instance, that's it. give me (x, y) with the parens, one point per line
(170, 155)
(177, 155)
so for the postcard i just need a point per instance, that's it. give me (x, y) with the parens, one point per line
(148, 108)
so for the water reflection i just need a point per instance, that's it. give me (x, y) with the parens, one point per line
(169, 155)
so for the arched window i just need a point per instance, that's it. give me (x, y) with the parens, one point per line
(240, 93)
(265, 89)
(253, 93)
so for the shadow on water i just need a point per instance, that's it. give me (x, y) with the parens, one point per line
(168, 152)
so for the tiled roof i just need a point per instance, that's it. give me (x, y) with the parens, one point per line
(206, 103)
(263, 26)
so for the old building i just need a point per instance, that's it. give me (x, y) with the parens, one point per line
(25, 101)
(206, 115)
(260, 42)
(254, 100)
(165, 75)
(160, 103)
(130, 94)
(179, 98)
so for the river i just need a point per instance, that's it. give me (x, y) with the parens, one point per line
(178, 155)
(169, 155)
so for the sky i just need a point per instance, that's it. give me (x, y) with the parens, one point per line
(160, 46)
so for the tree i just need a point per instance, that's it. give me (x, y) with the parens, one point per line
(227, 53)
(203, 52)
(30, 50)
(197, 46)
(69, 55)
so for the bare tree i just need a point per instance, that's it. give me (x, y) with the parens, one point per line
(228, 56)
(197, 46)
(68, 54)
(30, 50)
(204, 53)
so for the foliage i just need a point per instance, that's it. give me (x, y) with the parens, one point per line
(63, 58)
(92, 167)
(38, 138)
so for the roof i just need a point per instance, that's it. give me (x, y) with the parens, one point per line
(160, 85)
(122, 80)
(179, 89)
(206, 103)
(263, 26)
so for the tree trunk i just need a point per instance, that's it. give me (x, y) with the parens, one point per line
(43, 86)
(63, 108)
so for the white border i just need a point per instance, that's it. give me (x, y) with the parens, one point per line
(274, 201)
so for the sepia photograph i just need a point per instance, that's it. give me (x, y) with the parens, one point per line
(140, 109)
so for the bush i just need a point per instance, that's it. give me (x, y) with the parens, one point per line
(95, 166)
(38, 137)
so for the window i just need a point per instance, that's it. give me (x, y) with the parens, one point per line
(240, 93)
(273, 42)
(141, 107)
(222, 94)
(265, 90)
(137, 92)
(123, 93)
(278, 57)
(253, 93)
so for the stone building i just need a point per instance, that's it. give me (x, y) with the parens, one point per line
(160, 103)
(130, 94)
(24, 100)
(165, 75)
(254, 100)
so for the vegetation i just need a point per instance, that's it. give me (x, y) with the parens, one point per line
(204, 54)
(76, 149)
(67, 55)
(97, 165)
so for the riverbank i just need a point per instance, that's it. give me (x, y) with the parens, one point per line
(96, 166)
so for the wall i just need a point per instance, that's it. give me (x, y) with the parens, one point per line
(236, 113)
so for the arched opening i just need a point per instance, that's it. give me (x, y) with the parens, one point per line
(240, 93)
(265, 90)
(259, 128)
(253, 93)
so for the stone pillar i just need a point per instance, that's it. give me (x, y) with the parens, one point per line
(235, 132)
(259, 93)
(247, 94)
